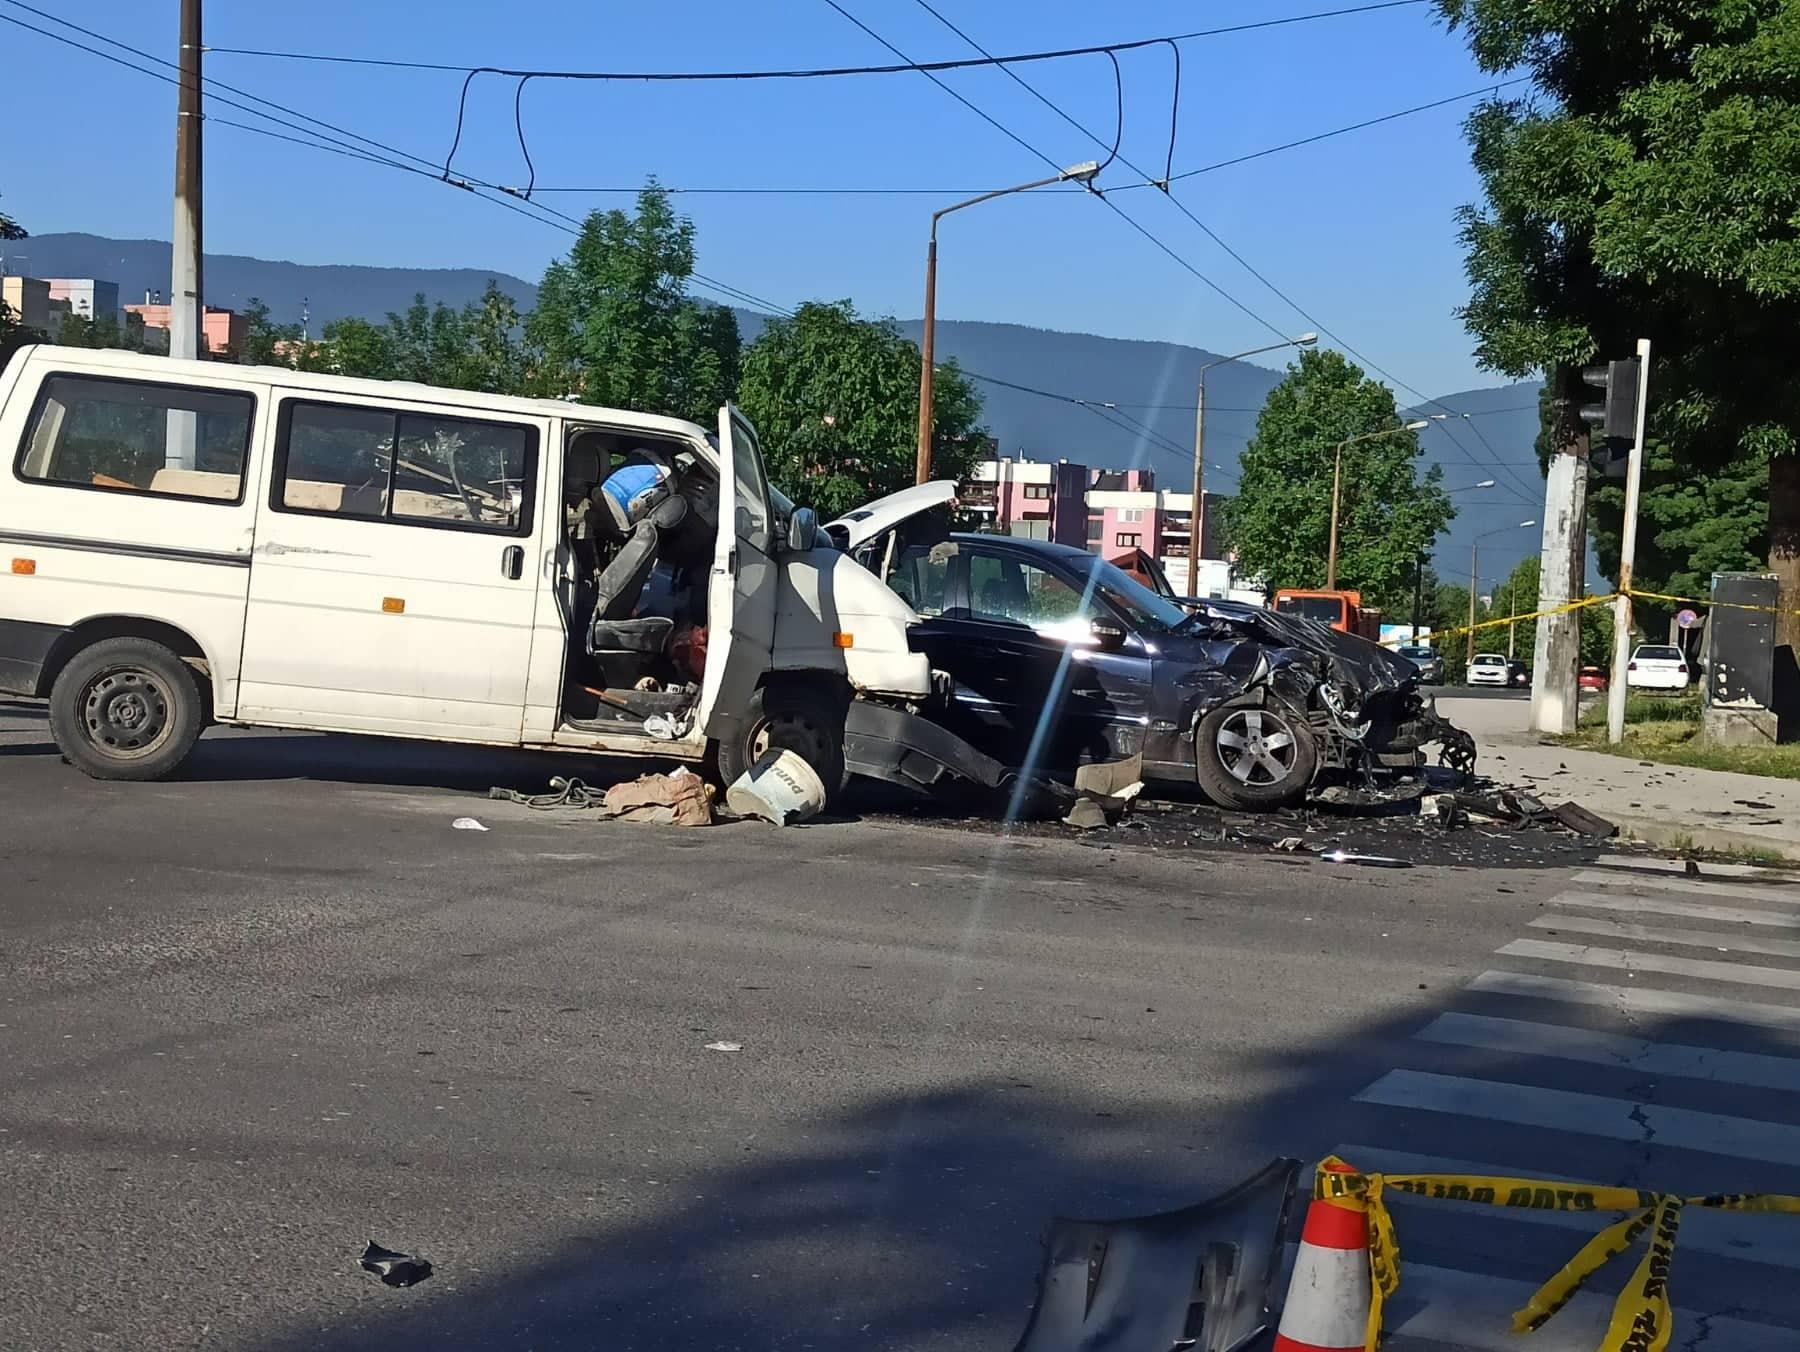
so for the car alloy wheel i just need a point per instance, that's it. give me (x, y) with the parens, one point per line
(1256, 746)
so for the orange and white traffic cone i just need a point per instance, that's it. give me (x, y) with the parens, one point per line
(1327, 1306)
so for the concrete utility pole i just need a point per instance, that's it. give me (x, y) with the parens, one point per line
(186, 313)
(1634, 480)
(1557, 653)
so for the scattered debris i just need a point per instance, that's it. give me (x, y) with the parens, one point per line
(1366, 860)
(780, 788)
(1289, 843)
(563, 793)
(1086, 814)
(1752, 803)
(1584, 823)
(395, 1269)
(724, 1046)
(467, 824)
(678, 799)
(668, 727)
(1104, 791)
(1693, 868)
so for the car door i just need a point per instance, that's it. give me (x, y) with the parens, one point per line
(393, 581)
(741, 594)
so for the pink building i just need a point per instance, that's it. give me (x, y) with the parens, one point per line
(225, 330)
(1042, 500)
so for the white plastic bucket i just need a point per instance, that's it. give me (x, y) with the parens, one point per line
(780, 788)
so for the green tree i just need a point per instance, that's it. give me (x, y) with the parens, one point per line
(355, 347)
(426, 343)
(1281, 516)
(835, 399)
(267, 343)
(614, 323)
(491, 358)
(1650, 187)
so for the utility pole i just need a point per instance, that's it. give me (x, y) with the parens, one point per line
(186, 312)
(1556, 653)
(1418, 593)
(1634, 479)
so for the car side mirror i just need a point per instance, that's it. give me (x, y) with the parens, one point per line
(1107, 635)
(803, 530)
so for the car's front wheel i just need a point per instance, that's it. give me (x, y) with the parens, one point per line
(1255, 757)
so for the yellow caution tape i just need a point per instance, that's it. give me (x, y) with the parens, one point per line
(1721, 605)
(1642, 1315)
(1580, 604)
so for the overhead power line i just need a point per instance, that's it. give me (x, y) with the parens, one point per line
(815, 73)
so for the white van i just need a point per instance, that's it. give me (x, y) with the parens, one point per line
(193, 542)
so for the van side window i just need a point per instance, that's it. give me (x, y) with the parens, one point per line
(415, 468)
(128, 436)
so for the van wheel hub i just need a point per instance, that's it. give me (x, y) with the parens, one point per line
(125, 712)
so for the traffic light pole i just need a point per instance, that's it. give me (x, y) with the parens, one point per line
(1634, 478)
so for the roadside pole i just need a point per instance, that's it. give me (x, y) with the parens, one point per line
(186, 312)
(1418, 592)
(1634, 478)
(1556, 651)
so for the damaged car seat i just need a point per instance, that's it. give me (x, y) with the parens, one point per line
(624, 645)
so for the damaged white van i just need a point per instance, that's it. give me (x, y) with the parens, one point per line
(188, 543)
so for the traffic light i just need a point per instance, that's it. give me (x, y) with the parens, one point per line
(1614, 418)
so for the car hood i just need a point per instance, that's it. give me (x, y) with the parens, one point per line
(856, 528)
(1350, 660)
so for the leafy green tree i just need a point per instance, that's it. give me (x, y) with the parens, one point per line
(355, 347)
(614, 323)
(835, 399)
(1281, 516)
(267, 343)
(104, 332)
(492, 357)
(1649, 187)
(426, 343)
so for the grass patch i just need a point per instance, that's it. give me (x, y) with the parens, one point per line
(1672, 741)
(1642, 708)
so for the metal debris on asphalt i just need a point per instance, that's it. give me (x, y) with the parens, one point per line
(467, 824)
(724, 1046)
(394, 1268)
(1366, 860)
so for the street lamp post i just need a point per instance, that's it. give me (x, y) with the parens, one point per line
(1075, 173)
(1337, 479)
(1197, 516)
(1474, 557)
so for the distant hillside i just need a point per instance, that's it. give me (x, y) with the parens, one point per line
(1148, 382)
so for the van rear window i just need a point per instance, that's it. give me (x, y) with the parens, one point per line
(129, 436)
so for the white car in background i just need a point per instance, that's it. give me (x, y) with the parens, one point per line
(1657, 666)
(1489, 669)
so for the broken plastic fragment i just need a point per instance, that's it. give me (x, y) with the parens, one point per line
(395, 1269)
(724, 1046)
(467, 824)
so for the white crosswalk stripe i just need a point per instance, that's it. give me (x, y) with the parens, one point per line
(1563, 1068)
(1716, 940)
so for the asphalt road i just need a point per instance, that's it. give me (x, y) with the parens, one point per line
(256, 1017)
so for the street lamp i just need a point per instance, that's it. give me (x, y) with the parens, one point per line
(1197, 517)
(1075, 173)
(1470, 488)
(1337, 478)
(1474, 554)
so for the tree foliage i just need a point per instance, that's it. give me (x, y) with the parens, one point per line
(836, 401)
(1650, 187)
(1280, 517)
(614, 324)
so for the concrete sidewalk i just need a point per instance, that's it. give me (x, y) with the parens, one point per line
(1666, 805)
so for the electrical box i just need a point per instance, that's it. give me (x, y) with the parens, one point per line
(1740, 644)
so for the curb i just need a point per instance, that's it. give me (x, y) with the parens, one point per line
(1724, 840)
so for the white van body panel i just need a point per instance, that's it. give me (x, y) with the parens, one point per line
(830, 601)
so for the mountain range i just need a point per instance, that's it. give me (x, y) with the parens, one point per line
(1139, 394)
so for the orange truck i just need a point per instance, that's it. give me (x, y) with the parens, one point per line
(1342, 610)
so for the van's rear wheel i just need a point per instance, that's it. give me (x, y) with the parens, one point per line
(807, 720)
(126, 708)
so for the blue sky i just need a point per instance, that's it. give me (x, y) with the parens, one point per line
(1359, 230)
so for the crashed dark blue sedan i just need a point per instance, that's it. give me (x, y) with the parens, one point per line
(1051, 658)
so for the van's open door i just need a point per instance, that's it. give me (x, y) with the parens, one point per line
(740, 598)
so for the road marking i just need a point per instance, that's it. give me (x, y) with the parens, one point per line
(1631, 1001)
(1693, 886)
(1731, 1234)
(1473, 1310)
(1587, 1115)
(1626, 864)
(1694, 910)
(1609, 1049)
(1587, 955)
(1724, 941)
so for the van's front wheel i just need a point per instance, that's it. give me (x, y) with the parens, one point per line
(804, 719)
(125, 708)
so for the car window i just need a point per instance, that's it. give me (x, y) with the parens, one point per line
(1324, 609)
(1008, 591)
(129, 436)
(1489, 660)
(919, 578)
(1660, 652)
(453, 471)
(751, 513)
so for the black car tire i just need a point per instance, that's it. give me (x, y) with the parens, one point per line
(1253, 776)
(126, 708)
(804, 719)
